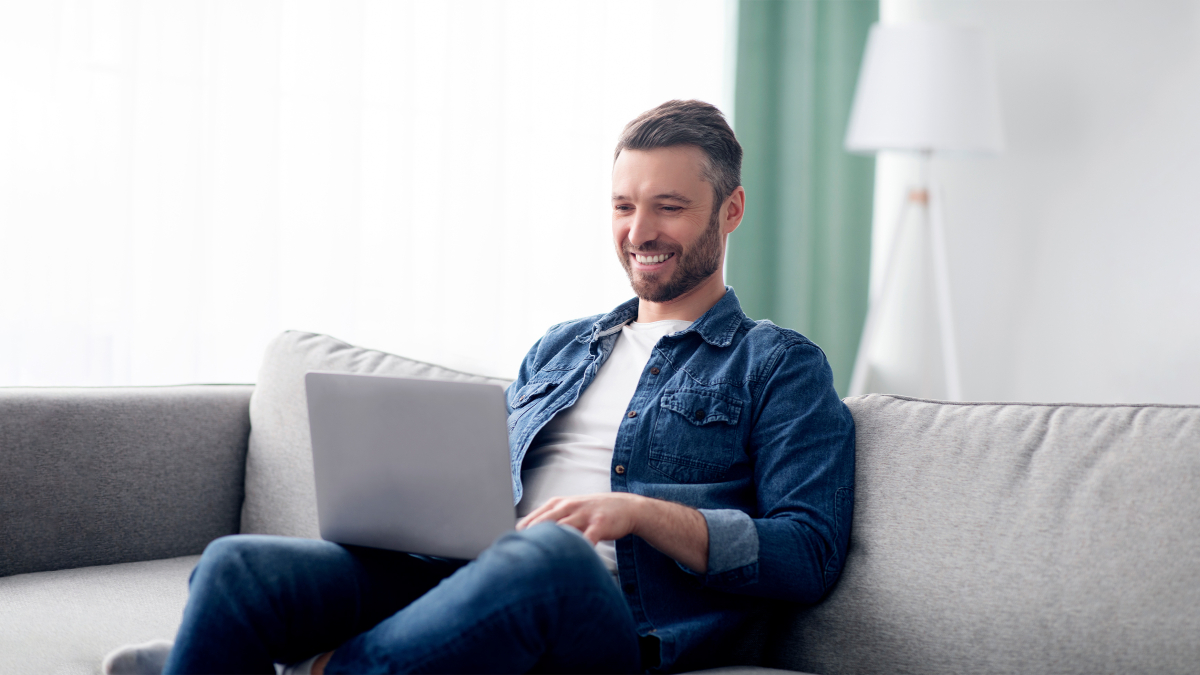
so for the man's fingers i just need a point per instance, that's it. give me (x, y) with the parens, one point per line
(531, 517)
(592, 534)
(549, 511)
(580, 524)
(585, 514)
(580, 521)
(535, 516)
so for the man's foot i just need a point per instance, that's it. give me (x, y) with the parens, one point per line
(144, 659)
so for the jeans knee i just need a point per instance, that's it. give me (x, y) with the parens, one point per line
(223, 549)
(229, 557)
(548, 553)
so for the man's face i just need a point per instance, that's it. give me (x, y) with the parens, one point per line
(667, 235)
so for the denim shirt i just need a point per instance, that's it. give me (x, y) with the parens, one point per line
(734, 417)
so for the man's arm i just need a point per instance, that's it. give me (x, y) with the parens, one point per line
(802, 447)
(678, 531)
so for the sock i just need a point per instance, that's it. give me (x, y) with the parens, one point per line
(145, 659)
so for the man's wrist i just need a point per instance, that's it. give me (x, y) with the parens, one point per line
(678, 530)
(642, 510)
(649, 512)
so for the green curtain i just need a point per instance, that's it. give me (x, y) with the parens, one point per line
(802, 255)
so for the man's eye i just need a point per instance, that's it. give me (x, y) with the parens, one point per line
(672, 208)
(622, 207)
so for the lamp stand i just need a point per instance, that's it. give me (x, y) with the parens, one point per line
(924, 198)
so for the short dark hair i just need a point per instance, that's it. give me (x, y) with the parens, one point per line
(690, 123)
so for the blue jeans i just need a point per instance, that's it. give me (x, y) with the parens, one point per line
(536, 600)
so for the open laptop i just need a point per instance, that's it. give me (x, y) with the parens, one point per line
(411, 465)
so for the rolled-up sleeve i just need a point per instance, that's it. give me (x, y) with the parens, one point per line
(732, 545)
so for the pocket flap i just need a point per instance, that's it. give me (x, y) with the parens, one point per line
(530, 392)
(702, 407)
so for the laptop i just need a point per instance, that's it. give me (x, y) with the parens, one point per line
(420, 466)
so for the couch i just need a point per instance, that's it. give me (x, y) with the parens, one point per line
(987, 537)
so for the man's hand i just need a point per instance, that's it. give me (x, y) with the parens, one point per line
(600, 517)
(677, 530)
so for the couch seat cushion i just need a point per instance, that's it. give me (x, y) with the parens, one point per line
(280, 493)
(64, 622)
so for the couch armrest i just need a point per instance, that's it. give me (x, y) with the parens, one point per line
(94, 476)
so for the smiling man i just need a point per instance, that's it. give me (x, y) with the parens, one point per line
(706, 455)
(676, 466)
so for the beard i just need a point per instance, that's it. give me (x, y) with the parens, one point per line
(692, 266)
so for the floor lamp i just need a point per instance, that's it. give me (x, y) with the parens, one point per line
(930, 89)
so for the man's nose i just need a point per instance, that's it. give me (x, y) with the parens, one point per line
(642, 230)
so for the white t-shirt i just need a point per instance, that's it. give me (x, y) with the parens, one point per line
(572, 454)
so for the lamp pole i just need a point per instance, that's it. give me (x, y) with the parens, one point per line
(941, 282)
(926, 199)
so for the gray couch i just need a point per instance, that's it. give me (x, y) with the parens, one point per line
(987, 538)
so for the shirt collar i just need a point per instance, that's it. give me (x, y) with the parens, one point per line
(717, 326)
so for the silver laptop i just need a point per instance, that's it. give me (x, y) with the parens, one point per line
(411, 465)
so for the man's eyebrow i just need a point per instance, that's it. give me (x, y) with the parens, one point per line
(666, 195)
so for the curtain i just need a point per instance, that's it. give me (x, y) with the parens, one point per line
(181, 180)
(802, 255)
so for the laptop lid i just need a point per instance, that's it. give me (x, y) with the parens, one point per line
(411, 465)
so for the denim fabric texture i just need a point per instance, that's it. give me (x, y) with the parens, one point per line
(734, 417)
(539, 600)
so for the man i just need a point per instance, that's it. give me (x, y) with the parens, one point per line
(700, 459)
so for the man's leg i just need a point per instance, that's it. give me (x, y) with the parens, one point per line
(255, 600)
(538, 599)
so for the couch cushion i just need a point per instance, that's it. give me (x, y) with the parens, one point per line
(280, 494)
(1009, 538)
(64, 622)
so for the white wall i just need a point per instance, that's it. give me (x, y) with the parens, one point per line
(1075, 255)
(181, 180)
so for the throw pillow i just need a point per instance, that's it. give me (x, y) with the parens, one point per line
(280, 494)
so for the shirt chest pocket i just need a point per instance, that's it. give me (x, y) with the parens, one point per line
(696, 436)
(527, 398)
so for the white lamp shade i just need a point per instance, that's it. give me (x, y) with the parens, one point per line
(926, 87)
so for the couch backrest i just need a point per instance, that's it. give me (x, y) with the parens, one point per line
(1014, 538)
(95, 476)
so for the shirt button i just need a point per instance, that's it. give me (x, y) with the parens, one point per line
(700, 414)
(654, 371)
(630, 588)
(620, 469)
(633, 413)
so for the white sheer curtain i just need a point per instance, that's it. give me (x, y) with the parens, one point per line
(180, 181)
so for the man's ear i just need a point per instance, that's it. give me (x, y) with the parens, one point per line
(733, 209)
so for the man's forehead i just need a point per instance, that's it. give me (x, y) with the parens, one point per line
(675, 173)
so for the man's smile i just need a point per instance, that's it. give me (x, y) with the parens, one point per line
(649, 262)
